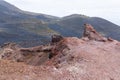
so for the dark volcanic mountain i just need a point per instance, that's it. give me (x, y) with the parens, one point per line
(26, 27)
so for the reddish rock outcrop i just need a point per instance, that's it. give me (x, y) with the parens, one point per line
(33, 56)
(92, 34)
(70, 58)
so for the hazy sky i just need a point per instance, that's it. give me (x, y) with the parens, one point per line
(108, 9)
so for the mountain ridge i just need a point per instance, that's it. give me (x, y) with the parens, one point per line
(20, 24)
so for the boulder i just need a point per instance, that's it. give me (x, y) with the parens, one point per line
(56, 38)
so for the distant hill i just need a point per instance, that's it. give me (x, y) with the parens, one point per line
(73, 25)
(23, 27)
(30, 29)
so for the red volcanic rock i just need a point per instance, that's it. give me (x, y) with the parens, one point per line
(92, 34)
(70, 59)
(33, 56)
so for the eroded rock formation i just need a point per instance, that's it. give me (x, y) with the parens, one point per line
(92, 34)
(70, 58)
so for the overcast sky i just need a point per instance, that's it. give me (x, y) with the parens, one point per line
(108, 9)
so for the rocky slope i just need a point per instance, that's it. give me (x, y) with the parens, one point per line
(93, 57)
